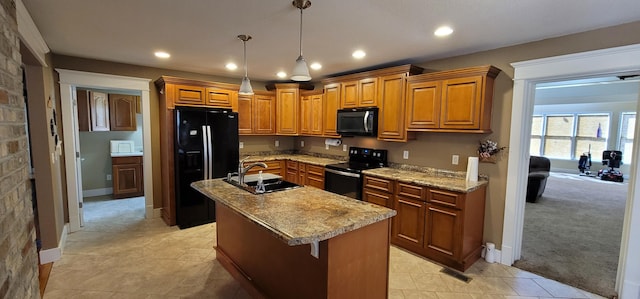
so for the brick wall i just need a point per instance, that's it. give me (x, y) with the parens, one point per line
(18, 257)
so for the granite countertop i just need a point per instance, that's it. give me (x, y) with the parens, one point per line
(455, 183)
(298, 216)
(319, 161)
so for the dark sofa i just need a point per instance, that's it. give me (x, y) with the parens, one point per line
(538, 173)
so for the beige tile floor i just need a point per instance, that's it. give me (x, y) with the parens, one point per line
(119, 254)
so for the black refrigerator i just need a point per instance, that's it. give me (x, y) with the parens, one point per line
(206, 148)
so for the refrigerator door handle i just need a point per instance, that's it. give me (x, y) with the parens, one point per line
(210, 154)
(205, 157)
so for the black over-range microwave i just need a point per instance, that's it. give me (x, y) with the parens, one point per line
(358, 121)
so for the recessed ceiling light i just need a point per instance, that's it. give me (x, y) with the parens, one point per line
(358, 54)
(161, 54)
(443, 31)
(281, 75)
(316, 66)
(231, 66)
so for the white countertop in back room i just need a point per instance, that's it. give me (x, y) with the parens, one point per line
(129, 154)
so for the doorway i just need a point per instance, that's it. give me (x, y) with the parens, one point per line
(69, 80)
(620, 60)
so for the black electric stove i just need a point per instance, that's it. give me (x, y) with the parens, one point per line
(346, 178)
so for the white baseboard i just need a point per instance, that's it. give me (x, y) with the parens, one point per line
(97, 192)
(54, 254)
(507, 258)
(157, 213)
(630, 290)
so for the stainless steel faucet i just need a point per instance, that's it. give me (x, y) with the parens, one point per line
(243, 170)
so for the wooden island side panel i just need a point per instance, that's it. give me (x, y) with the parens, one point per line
(351, 265)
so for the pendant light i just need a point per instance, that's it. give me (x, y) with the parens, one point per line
(301, 71)
(245, 87)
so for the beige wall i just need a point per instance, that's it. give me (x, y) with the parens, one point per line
(429, 149)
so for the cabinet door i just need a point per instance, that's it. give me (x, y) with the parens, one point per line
(461, 103)
(331, 106)
(265, 114)
(391, 125)
(443, 231)
(189, 95)
(423, 105)
(122, 112)
(245, 114)
(84, 115)
(302, 174)
(217, 97)
(305, 115)
(368, 92)
(127, 177)
(349, 96)
(99, 111)
(291, 171)
(408, 224)
(317, 114)
(287, 111)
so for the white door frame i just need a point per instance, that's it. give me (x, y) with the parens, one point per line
(527, 74)
(69, 80)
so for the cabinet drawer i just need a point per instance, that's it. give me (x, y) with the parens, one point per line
(380, 198)
(378, 184)
(126, 160)
(314, 170)
(411, 191)
(445, 198)
(293, 165)
(274, 167)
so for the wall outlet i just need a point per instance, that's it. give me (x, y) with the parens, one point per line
(326, 146)
(108, 177)
(277, 143)
(302, 143)
(405, 155)
(241, 145)
(454, 159)
(344, 147)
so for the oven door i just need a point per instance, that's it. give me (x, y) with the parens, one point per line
(344, 183)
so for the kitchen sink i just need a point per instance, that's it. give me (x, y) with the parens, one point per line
(270, 185)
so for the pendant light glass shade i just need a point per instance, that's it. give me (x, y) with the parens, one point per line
(245, 87)
(301, 71)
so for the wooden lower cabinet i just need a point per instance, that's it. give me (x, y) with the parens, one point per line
(127, 176)
(305, 174)
(442, 225)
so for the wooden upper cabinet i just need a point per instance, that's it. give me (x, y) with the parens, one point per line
(305, 115)
(287, 109)
(189, 95)
(256, 114)
(360, 93)
(461, 103)
(423, 105)
(264, 111)
(122, 112)
(317, 114)
(99, 104)
(451, 101)
(219, 97)
(391, 123)
(84, 114)
(245, 114)
(331, 106)
(187, 92)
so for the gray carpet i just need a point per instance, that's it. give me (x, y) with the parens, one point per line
(572, 233)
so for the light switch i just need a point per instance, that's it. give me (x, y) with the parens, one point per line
(326, 146)
(302, 143)
(405, 155)
(277, 143)
(241, 145)
(344, 147)
(454, 159)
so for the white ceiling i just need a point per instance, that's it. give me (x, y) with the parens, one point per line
(201, 34)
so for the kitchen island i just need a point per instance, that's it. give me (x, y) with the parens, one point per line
(301, 243)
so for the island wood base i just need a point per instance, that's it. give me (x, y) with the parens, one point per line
(350, 265)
